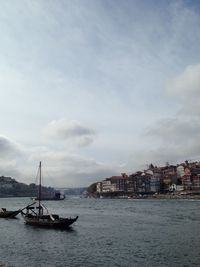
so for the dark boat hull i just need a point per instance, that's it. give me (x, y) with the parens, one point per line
(41, 221)
(9, 214)
(49, 198)
(57, 196)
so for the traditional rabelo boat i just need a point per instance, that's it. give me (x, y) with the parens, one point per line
(37, 214)
(4, 213)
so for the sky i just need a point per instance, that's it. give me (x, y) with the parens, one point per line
(95, 88)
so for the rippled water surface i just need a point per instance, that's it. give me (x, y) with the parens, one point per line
(107, 233)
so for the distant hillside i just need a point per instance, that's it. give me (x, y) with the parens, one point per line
(9, 187)
(74, 191)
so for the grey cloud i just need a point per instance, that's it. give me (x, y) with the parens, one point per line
(64, 130)
(9, 148)
(172, 140)
(10, 168)
(10, 155)
(176, 130)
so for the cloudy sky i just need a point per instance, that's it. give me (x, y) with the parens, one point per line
(93, 88)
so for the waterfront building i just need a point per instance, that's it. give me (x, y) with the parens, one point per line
(99, 187)
(115, 184)
(154, 184)
(180, 171)
(195, 178)
(186, 182)
(132, 186)
(170, 178)
(143, 183)
(196, 182)
(119, 183)
(106, 185)
(154, 179)
(179, 188)
(157, 184)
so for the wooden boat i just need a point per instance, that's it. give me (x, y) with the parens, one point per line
(37, 214)
(4, 213)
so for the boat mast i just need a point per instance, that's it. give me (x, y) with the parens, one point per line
(39, 197)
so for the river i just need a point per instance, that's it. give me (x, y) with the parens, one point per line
(109, 233)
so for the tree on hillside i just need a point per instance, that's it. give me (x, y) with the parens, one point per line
(92, 188)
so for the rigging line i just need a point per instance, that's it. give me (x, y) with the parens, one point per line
(44, 207)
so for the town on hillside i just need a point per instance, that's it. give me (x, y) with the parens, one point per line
(170, 180)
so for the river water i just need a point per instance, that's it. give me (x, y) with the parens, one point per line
(109, 232)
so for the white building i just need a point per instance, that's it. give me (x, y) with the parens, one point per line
(99, 187)
(106, 186)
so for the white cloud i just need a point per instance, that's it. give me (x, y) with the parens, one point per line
(186, 89)
(187, 84)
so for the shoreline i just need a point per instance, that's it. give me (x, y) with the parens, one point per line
(183, 195)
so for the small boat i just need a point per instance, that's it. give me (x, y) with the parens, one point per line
(4, 213)
(36, 214)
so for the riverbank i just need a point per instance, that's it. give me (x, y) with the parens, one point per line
(175, 195)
